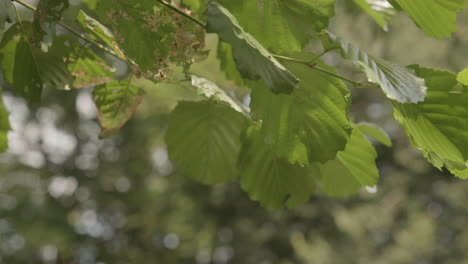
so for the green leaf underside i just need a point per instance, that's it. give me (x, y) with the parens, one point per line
(213, 91)
(227, 64)
(7, 13)
(397, 82)
(380, 10)
(352, 169)
(463, 76)
(116, 102)
(437, 18)
(99, 32)
(375, 132)
(47, 14)
(4, 126)
(282, 26)
(439, 125)
(203, 140)
(252, 59)
(309, 125)
(269, 179)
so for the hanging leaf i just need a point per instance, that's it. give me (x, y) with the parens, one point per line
(279, 26)
(203, 140)
(380, 10)
(252, 59)
(397, 82)
(352, 169)
(439, 125)
(116, 102)
(213, 91)
(27, 68)
(438, 18)
(47, 14)
(375, 132)
(84, 65)
(269, 179)
(99, 32)
(228, 65)
(309, 125)
(151, 36)
(7, 13)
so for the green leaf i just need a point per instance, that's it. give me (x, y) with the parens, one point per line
(7, 13)
(150, 35)
(4, 126)
(252, 59)
(84, 65)
(462, 174)
(439, 125)
(308, 125)
(381, 11)
(437, 18)
(270, 179)
(116, 102)
(397, 82)
(213, 91)
(228, 65)
(47, 14)
(352, 169)
(99, 31)
(376, 133)
(463, 76)
(280, 26)
(203, 140)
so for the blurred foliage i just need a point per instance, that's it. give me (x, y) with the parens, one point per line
(67, 196)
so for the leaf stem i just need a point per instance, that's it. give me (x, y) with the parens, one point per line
(318, 68)
(75, 32)
(323, 53)
(168, 5)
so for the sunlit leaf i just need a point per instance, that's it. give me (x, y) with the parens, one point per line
(280, 26)
(463, 76)
(380, 10)
(269, 179)
(252, 59)
(397, 82)
(308, 125)
(376, 133)
(439, 125)
(213, 91)
(203, 140)
(352, 169)
(438, 18)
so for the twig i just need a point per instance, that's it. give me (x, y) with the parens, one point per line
(168, 5)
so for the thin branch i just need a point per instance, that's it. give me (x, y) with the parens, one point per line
(318, 68)
(168, 5)
(75, 32)
(323, 53)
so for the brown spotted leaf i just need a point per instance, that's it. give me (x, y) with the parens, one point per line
(116, 102)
